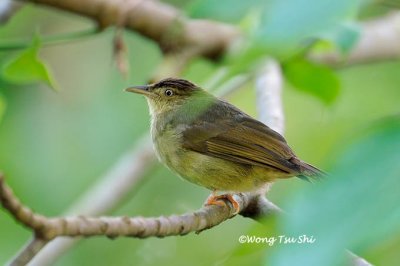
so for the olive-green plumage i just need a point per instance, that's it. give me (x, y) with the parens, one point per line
(214, 144)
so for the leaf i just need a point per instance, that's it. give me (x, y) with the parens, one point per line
(317, 80)
(356, 207)
(27, 68)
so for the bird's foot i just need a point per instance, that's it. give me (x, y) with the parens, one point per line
(220, 201)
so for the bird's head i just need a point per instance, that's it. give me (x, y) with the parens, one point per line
(168, 94)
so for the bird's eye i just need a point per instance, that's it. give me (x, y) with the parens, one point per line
(169, 92)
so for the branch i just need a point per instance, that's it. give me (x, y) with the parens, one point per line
(30, 250)
(46, 229)
(379, 41)
(269, 92)
(49, 228)
(174, 32)
(171, 30)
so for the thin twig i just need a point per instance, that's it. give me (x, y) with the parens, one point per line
(31, 249)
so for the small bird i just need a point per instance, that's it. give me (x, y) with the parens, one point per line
(212, 143)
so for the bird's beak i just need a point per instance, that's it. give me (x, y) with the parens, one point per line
(144, 89)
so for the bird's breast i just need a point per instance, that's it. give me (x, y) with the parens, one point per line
(167, 144)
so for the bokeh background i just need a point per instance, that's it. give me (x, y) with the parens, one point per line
(55, 145)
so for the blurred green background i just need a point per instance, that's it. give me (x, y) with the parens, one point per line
(55, 145)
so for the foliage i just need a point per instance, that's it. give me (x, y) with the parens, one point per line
(318, 80)
(26, 68)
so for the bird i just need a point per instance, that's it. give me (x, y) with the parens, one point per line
(214, 144)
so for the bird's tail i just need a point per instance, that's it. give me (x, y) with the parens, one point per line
(308, 171)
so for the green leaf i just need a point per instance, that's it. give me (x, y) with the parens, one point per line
(317, 80)
(356, 207)
(27, 68)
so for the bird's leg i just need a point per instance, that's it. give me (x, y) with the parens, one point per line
(215, 199)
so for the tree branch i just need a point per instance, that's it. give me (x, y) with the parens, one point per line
(50, 228)
(379, 40)
(174, 32)
(171, 30)
(269, 84)
(46, 229)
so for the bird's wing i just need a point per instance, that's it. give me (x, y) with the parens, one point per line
(243, 140)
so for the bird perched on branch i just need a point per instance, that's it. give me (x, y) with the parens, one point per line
(213, 144)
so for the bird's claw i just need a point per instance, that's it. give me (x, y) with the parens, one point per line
(220, 200)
